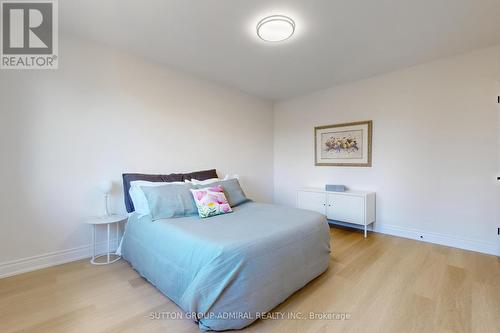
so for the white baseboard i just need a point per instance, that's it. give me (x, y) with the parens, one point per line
(433, 237)
(441, 239)
(29, 264)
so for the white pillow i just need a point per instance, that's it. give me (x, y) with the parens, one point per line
(211, 180)
(138, 197)
(203, 182)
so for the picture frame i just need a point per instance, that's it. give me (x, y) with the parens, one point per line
(344, 145)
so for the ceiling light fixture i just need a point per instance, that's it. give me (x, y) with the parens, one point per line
(275, 28)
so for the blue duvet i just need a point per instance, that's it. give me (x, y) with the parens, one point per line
(229, 268)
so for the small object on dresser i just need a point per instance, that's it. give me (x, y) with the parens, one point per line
(335, 188)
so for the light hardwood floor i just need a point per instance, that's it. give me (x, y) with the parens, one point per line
(386, 284)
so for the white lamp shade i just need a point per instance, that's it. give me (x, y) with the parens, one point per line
(106, 186)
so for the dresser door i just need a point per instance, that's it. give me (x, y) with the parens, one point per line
(346, 208)
(315, 201)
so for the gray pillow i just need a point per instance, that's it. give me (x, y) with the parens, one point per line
(170, 200)
(232, 189)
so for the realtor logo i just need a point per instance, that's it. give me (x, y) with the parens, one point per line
(29, 34)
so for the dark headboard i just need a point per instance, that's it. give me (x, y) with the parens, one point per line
(173, 177)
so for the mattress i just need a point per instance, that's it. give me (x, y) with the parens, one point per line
(230, 268)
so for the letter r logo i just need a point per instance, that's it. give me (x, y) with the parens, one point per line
(27, 27)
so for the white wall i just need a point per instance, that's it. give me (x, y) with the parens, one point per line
(104, 113)
(435, 147)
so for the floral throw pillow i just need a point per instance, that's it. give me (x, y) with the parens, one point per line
(211, 201)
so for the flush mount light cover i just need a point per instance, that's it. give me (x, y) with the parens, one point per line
(275, 28)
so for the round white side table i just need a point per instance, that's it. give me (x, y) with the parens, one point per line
(108, 220)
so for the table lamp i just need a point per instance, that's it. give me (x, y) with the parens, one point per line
(106, 187)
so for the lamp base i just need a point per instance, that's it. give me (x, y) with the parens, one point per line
(106, 210)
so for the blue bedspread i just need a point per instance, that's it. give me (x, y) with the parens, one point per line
(230, 267)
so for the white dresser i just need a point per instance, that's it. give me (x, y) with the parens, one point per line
(356, 207)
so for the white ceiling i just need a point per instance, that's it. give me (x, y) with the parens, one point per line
(335, 41)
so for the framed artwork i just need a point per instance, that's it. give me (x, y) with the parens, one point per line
(344, 144)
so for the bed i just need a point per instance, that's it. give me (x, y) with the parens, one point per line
(230, 268)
